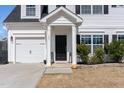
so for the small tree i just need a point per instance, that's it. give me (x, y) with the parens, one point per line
(83, 51)
(116, 50)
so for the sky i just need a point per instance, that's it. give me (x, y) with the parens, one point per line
(4, 12)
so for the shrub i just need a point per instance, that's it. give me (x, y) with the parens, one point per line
(83, 51)
(116, 50)
(92, 60)
(98, 57)
(106, 48)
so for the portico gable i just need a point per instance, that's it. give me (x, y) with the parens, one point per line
(61, 24)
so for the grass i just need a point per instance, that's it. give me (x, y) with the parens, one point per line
(86, 77)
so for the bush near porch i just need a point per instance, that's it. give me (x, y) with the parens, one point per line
(83, 51)
(98, 57)
(114, 50)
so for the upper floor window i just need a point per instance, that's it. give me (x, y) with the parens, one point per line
(114, 6)
(60, 5)
(117, 6)
(95, 9)
(30, 10)
(91, 9)
(86, 9)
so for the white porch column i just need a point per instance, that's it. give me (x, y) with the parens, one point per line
(48, 35)
(110, 38)
(14, 50)
(9, 46)
(74, 53)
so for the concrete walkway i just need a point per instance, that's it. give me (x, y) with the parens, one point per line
(20, 75)
(59, 70)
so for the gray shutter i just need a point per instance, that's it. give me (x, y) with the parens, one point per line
(106, 39)
(114, 37)
(46, 9)
(77, 10)
(106, 9)
(78, 39)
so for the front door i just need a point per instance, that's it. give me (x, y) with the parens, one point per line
(60, 47)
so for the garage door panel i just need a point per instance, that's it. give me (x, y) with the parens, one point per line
(30, 51)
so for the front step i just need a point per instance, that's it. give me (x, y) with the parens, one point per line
(61, 65)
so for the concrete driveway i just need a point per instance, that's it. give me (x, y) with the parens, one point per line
(20, 75)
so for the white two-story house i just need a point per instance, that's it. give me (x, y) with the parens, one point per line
(38, 33)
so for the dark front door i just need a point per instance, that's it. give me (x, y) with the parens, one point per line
(60, 47)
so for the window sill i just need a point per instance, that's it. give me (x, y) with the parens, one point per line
(30, 17)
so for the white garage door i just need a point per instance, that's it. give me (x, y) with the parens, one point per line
(30, 50)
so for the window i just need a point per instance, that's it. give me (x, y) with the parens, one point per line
(86, 39)
(97, 9)
(93, 42)
(97, 42)
(121, 37)
(94, 9)
(30, 10)
(86, 9)
(117, 6)
(114, 6)
(120, 5)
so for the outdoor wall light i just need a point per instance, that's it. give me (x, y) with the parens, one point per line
(11, 38)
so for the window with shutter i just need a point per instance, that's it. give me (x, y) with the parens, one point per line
(92, 9)
(93, 41)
